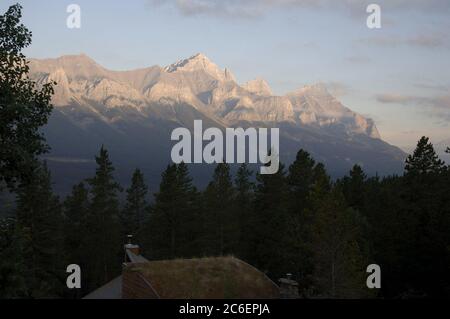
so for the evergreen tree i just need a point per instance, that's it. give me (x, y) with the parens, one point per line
(308, 183)
(104, 245)
(301, 179)
(164, 224)
(353, 187)
(190, 214)
(76, 210)
(424, 160)
(423, 215)
(271, 225)
(12, 270)
(339, 266)
(219, 201)
(40, 220)
(136, 206)
(173, 210)
(23, 107)
(243, 208)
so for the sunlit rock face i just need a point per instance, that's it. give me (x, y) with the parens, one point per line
(200, 83)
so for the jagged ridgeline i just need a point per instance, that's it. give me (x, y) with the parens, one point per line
(133, 113)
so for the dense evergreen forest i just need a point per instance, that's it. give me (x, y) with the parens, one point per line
(296, 221)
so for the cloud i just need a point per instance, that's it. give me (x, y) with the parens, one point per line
(437, 106)
(254, 8)
(397, 99)
(430, 41)
(436, 87)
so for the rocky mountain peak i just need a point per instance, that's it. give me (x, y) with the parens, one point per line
(318, 90)
(74, 66)
(258, 86)
(200, 62)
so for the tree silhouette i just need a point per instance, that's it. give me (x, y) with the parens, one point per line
(219, 199)
(40, 221)
(104, 245)
(76, 213)
(136, 205)
(23, 107)
(424, 160)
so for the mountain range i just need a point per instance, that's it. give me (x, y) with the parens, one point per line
(133, 113)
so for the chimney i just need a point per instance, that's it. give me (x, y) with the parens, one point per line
(288, 288)
(129, 247)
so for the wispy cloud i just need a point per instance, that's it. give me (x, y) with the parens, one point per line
(429, 41)
(433, 86)
(254, 8)
(424, 41)
(438, 106)
(399, 99)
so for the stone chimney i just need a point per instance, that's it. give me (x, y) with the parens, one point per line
(288, 288)
(131, 247)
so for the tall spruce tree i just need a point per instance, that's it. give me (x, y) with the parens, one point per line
(219, 201)
(338, 261)
(190, 215)
(76, 210)
(104, 243)
(164, 223)
(243, 210)
(307, 183)
(167, 236)
(353, 187)
(136, 206)
(423, 216)
(424, 160)
(301, 179)
(271, 225)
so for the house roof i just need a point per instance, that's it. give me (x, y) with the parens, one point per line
(111, 290)
(206, 278)
(201, 278)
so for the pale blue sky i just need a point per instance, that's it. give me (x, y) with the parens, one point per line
(399, 75)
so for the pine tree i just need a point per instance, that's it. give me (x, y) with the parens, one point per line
(76, 210)
(165, 219)
(423, 219)
(271, 227)
(301, 179)
(219, 200)
(172, 211)
(308, 184)
(23, 107)
(243, 210)
(424, 159)
(338, 260)
(104, 245)
(353, 187)
(40, 220)
(190, 216)
(134, 212)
